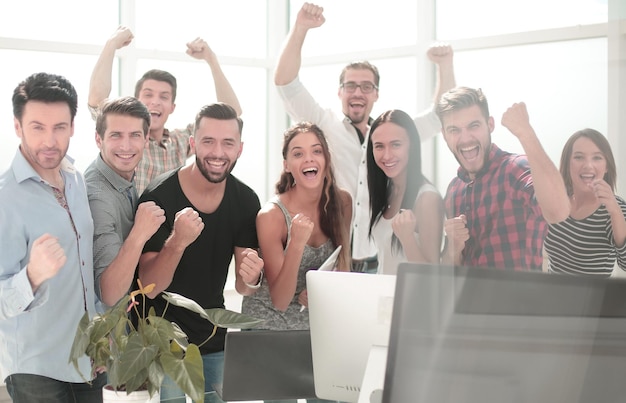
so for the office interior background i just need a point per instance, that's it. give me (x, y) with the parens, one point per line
(565, 58)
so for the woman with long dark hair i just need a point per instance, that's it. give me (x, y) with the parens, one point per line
(407, 211)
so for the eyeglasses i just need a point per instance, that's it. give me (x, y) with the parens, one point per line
(365, 87)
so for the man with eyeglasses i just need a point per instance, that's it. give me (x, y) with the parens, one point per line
(347, 135)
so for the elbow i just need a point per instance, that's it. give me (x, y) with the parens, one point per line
(280, 305)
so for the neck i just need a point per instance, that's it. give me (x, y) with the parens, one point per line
(156, 134)
(200, 183)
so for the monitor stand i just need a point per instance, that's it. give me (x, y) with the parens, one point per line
(374, 377)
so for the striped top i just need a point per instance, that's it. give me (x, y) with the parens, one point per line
(585, 247)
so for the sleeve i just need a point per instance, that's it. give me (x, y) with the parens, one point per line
(300, 104)
(428, 123)
(106, 240)
(621, 251)
(247, 236)
(16, 295)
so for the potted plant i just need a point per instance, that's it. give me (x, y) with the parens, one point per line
(138, 355)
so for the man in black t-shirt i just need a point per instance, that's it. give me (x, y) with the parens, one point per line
(210, 216)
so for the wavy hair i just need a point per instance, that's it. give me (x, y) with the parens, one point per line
(330, 209)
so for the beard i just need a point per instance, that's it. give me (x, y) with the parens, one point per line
(214, 178)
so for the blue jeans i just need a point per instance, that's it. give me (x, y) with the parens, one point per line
(28, 388)
(213, 368)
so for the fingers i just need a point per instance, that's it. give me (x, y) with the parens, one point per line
(251, 266)
(313, 10)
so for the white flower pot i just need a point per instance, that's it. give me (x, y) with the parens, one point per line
(143, 396)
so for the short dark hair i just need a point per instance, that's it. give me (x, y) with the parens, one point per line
(219, 111)
(461, 98)
(129, 106)
(47, 88)
(158, 75)
(361, 65)
(610, 177)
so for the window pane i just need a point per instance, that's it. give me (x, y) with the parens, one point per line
(356, 25)
(564, 86)
(233, 28)
(459, 19)
(82, 146)
(63, 21)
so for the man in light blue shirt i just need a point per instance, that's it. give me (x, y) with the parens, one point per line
(46, 263)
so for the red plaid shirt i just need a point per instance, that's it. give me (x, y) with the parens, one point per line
(505, 223)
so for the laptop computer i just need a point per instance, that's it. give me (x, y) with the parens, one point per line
(267, 365)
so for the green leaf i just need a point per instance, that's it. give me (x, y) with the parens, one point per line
(133, 359)
(230, 319)
(81, 341)
(186, 372)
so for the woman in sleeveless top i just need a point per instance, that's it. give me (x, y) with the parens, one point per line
(298, 229)
(407, 211)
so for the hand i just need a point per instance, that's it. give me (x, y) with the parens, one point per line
(251, 266)
(310, 16)
(148, 219)
(121, 37)
(303, 298)
(440, 53)
(46, 259)
(605, 195)
(200, 49)
(187, 226)
(516, 119)
(301, 229)
(457, 233)
(403, 224)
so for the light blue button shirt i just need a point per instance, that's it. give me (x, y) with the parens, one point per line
(37, 330)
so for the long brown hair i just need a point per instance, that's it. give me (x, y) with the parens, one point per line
(330, 207)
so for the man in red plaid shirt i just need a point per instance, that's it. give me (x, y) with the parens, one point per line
(493, 205)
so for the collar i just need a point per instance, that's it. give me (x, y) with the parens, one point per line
(113, 177)
(24, 171)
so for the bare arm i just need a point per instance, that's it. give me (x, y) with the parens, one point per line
(442, 55)
(547, 180)
(290, 59)
(100, 83)
(427, 219)
(200, 49)
(118, 276)
(281, 267)
(159, 267)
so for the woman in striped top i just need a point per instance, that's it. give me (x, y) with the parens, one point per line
(593, 237)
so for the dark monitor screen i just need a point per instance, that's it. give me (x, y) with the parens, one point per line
(467, 335)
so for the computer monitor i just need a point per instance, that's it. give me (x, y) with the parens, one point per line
(348, 313)
(468, 335)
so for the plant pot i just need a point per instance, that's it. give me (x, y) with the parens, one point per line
(141, 396)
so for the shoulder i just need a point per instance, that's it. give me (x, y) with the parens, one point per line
(162, 184)
(236, 187)
(345, 197)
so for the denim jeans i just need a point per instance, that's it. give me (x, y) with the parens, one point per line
(28, 388)
(213, 367)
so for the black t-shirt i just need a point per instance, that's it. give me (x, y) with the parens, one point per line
(203, 268)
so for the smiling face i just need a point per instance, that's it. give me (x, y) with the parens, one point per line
(468, 135)
(357, 105)
(122, 144)
(45, 130)
(588, 163)
(217, 145)
(305, 160)
(158, 98)
(391, 146)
